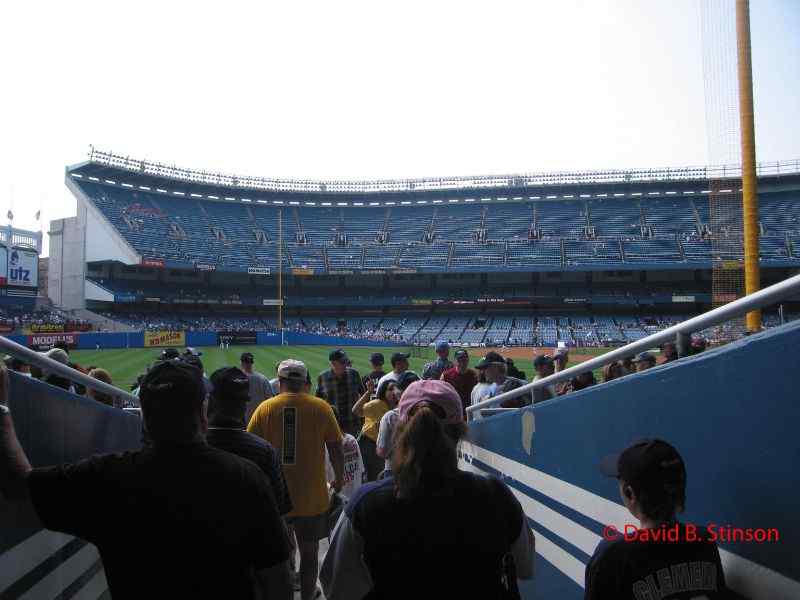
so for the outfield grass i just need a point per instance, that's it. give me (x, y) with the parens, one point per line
(125, 364)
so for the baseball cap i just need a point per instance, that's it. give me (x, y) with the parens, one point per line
(644, 357)
(292, 369)
(337, 354)
(698, 344)
(491, 358)
(442, 345)
(406, 379)
(461, 354)
(193, 360)
(169, 354)
(397, 356)
(650, 463)
(376, 358)
(542, 360)
(561, 352)
(247, 357)
(192, 352)
(58, 355)
(436, 392)
(230, 383)
(173, 380)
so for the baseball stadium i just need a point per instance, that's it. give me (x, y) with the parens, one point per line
(597, 308)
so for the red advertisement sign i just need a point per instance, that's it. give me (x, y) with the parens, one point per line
(47, 340)
(158, 263)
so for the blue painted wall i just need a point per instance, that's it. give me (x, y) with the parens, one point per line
(201, 338)
(55, 427)
(734, 415)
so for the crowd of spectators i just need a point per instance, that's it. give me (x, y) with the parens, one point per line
(19, 319)
(301, 484)
(578, 333)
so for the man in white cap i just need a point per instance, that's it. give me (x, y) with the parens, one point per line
(300, 426)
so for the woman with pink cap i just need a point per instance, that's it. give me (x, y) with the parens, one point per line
(422, 521)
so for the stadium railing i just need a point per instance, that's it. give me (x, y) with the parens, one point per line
(37, 359)
(677, 333)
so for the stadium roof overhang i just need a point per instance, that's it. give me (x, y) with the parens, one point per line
(159, 178)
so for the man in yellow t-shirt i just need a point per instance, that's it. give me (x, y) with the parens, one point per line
(299, 427)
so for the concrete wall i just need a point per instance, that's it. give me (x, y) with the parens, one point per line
(106, 242)
(67, 264)
(732, 413)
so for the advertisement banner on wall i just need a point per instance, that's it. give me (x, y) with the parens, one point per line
(258, 270)
(125, 298)
(3, 265)
(157, 339)
(23, 267)
(237, 338)
(46, 341)
(157, 263)
(204, 267)
(45, 328)
(6, 328)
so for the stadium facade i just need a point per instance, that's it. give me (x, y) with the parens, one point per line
(532, 259)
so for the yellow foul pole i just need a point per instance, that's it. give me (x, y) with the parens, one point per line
(752, 276)
(280, 272)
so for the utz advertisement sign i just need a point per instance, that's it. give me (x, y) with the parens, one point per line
(23, 268)
(47, 341)
(3, 265)
(156, 339)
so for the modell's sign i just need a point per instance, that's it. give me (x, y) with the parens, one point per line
(23, 268)
(158, 263)
(258, 270)
(45, 342)
(202, 267)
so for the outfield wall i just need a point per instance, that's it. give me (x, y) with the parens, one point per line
(731, 412)
(139, 339)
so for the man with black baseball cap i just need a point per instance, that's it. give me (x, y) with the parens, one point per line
(399, 362)
(497, 377)
(376, 360)
(169, 354)
(663, 558)
(260, 388)
(341, 387)
(198, 522)
(230, 394)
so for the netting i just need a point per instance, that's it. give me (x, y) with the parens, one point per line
(724, 228)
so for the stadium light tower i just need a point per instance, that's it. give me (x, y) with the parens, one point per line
(752, 276)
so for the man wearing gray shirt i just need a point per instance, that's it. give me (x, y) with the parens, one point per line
(260, 389)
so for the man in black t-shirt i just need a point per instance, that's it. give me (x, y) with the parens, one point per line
(661, 559)
(230, 392)
(178, 519)
(376, 360)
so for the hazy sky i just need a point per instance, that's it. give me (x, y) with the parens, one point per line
(370, 89)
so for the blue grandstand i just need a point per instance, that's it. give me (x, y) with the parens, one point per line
(181, 219)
